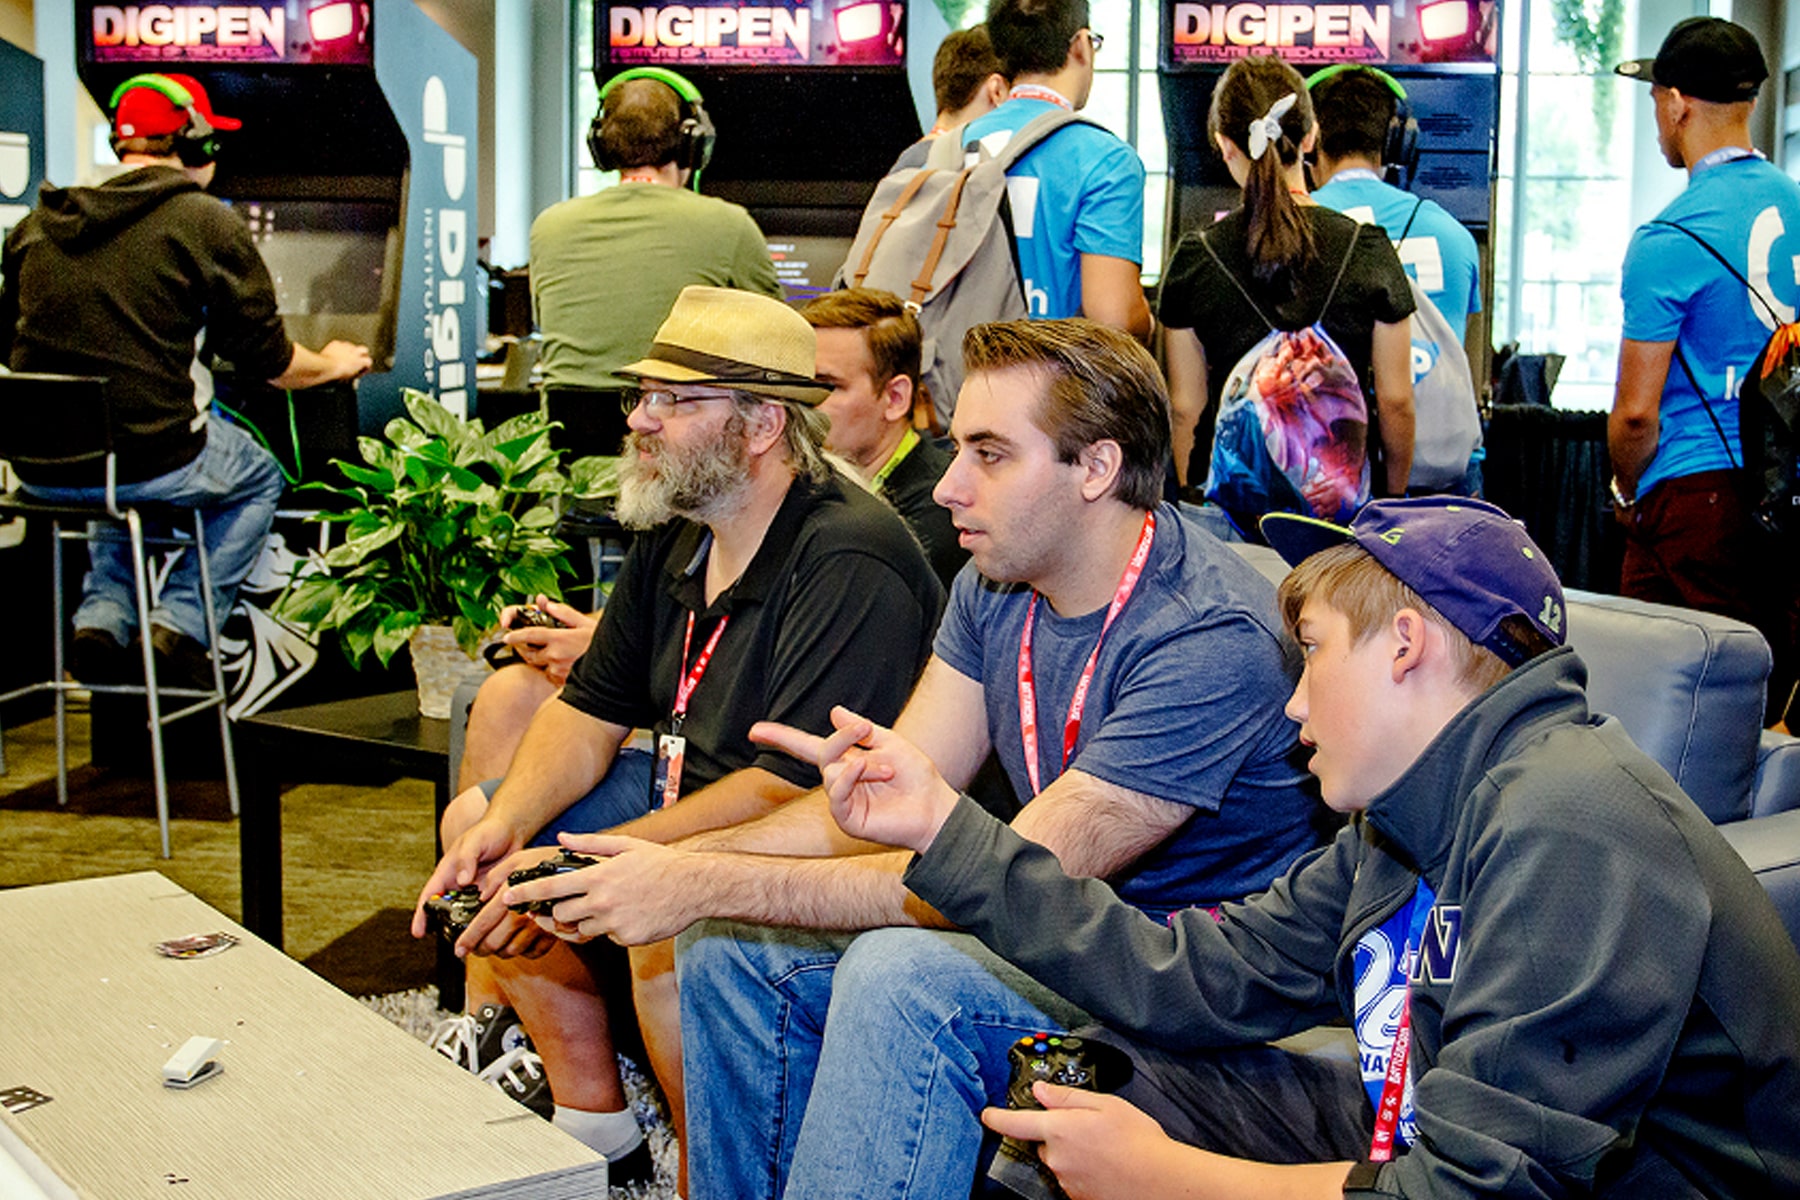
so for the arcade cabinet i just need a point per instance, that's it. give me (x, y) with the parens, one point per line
(810, 101)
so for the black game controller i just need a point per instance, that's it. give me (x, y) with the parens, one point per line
(529, 616)
(1054, 1058)
(450, 913)
(564, 862)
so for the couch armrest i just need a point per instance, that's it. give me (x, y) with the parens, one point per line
(1777, 774)
(460, 703)
(1771, 847)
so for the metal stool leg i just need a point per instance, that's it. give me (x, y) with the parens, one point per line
(141, 576)
(214, 649)
(56, 666)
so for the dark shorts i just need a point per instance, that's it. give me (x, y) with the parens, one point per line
(622, 796)
(1689, 545)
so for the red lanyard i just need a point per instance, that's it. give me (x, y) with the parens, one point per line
(1078, 702)
(1032, 91)
(691, 678)
(1393, 1088)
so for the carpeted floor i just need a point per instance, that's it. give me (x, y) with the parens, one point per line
(354, 854)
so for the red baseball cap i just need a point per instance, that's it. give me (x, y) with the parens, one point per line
(151, 106)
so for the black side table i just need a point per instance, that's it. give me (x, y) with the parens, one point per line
(365, 732)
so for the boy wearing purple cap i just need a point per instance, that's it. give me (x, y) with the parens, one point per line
(1561, 979)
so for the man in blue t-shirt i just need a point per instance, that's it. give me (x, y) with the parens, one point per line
(1692, 329)
(1354, 107)
(1077, 197)
(1157, 756)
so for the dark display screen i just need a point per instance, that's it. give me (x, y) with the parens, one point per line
(732, 33)
(333, 263)
(805, 264)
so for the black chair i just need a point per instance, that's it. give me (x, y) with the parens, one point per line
(81, 437)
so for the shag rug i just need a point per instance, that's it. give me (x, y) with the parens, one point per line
(417, 1013)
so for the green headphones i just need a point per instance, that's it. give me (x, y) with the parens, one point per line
(696, 134)
(197, 142)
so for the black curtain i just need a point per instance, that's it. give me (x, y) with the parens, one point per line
(1549, 468)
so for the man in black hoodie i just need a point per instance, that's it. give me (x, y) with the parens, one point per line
(120, 281)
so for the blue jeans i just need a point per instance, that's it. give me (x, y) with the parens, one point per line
(623, 794)
(827, 1065)
(235, 484)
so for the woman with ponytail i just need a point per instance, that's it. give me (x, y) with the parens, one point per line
(1295, 262)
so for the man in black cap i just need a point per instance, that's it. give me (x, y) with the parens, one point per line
(1704, 285)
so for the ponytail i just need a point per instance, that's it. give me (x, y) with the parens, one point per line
(1262, 106)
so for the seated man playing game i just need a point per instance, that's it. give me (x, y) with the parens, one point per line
(1562, 979)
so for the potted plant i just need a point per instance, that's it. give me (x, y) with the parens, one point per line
(445, 523)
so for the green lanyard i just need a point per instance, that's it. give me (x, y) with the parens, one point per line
(907, 442)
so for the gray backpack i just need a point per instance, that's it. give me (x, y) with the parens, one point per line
(1446, 419)
(940, 237)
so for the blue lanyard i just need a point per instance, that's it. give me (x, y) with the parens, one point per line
(1356, 173)
(1724, 154)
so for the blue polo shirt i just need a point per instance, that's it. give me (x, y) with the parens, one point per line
(1079, 191)
(1438, 251)
(1673, 290)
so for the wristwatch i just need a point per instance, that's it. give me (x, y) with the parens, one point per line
(1619, 498)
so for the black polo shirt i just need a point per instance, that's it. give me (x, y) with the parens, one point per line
(838, 606)
(908, 488)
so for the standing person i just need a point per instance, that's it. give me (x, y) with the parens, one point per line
(1125, 668)
(1692, 330)
(1297, 263)
(652, 128)
(1077, 197)
(1562, 979)
(120, 281)
(766, 582)
(967, 82)
(869, 351)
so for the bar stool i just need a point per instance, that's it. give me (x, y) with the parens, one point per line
(82, 435)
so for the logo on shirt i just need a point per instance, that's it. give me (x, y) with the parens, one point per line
(1439, 943)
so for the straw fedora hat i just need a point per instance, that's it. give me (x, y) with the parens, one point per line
(738, 340)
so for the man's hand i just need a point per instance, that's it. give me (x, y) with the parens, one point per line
(882, 787)
(552, 651)
(347, 359)
(468, 860)
(634, 897)
(1099, 1146)
(497, 931)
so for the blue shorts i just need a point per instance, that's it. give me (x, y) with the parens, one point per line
(622, 796)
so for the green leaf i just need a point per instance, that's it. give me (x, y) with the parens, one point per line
(595, 476)
(381, 481)
(432, 417)
(392, 633)
(308, 600)
(404, 434)
(529, 576)
(354, 551)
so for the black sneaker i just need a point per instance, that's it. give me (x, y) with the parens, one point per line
(520, 1074)
(635, 1166)
(96, 658)
(180, 660)
(476, 1041)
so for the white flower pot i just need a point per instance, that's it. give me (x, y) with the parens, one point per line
(439, 664)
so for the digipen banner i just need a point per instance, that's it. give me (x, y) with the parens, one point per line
(1365, 31)
(712, 33)
(294, 31)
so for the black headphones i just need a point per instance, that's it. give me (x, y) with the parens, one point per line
(696, 134)
(196, 142)
(1400, 147)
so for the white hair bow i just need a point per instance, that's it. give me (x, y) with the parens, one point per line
(1267, 131)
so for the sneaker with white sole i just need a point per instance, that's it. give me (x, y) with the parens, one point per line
(520, 1074)
(473, 1041)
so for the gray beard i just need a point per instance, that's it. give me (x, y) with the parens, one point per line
(700, 486)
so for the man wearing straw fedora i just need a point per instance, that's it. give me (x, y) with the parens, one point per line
(766, 584)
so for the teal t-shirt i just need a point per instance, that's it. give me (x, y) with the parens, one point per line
(1673, 290)
(1437, 250)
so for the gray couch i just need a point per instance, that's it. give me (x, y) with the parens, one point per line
(1688, 687)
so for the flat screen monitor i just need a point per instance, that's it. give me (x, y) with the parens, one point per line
(335, 265)
(805, 263)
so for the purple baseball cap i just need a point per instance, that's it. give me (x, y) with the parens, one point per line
(1466, 558)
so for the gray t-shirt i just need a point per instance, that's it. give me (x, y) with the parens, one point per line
(1185, 705)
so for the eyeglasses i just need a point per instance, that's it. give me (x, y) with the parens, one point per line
(661, 404)
(1095, 40)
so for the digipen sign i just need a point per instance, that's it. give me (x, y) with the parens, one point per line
(335, 31)
(447, 261)
(774, 32)
(1436, 31)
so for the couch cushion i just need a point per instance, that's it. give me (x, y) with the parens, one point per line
(1688, 686)
(1771, 847)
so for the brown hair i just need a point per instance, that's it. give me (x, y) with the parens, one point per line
(1102, 385)
(889, 329)
(640, 124)
(1349, 579)
(1279, 238)
(961, 65)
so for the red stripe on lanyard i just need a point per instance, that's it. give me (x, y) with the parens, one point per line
(1078, 702)
(1393, 1088)
(691, 678)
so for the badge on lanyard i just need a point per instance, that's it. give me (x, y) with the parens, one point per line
(671, 747)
